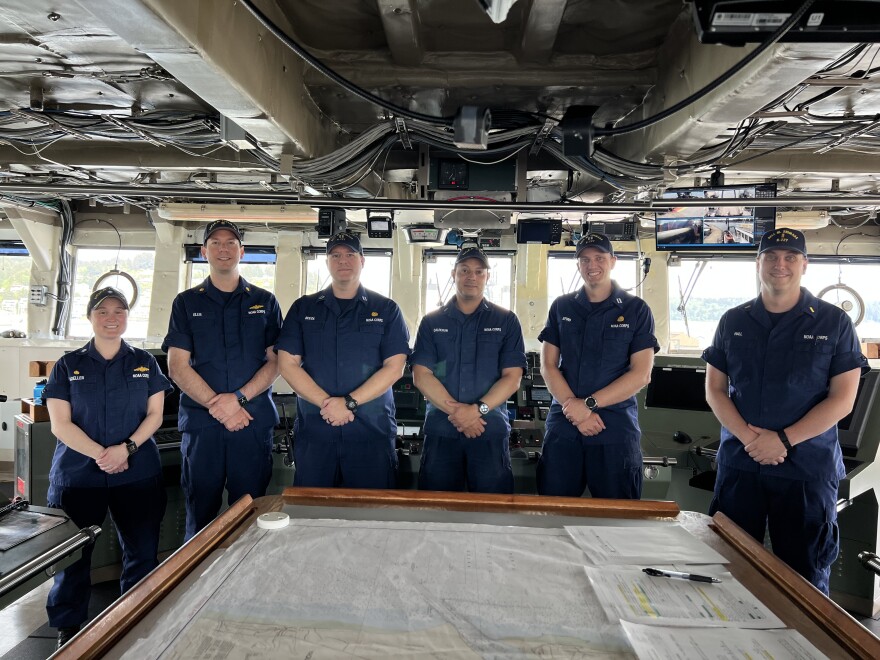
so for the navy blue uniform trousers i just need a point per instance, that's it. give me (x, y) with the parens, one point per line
(213, 459)
(457, 463)
(569, 465)
(800, 515)
(136, 509)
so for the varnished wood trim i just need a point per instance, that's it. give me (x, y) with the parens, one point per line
(571, 506)
(100, 635)
(839, 625)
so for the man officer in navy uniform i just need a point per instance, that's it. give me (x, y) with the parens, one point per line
(468, 359)
(782, 370)
(341, 350)
(598, 352)
(220, 354)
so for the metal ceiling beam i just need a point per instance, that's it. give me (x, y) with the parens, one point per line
(220, 52)
(99, 155)
(793, 201)
(400, 19)
(541, 24)
(687, 66)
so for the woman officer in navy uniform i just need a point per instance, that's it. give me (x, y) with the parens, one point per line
(105, 402)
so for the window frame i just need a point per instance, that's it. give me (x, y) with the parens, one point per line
(493, 253)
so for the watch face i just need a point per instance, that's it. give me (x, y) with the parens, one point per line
(484, 408)
(351, 405)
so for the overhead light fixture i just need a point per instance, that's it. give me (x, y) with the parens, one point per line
(803, 219)
(238, 212)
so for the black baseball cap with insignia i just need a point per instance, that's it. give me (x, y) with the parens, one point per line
(783, 238)
(101, 295)
(217, 225)
(347, 238)
(598, 241)
(472, 253)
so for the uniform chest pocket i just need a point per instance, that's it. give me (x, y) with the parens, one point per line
(811, 363)
(204, 324)
(83, 392)
(615, 346)
(370, 334)
(742, 360)
(313, 326)
(571, 334)
(138, 394)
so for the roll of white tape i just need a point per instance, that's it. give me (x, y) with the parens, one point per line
(274, 520)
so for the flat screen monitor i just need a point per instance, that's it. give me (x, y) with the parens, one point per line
(851, 428)
(711, 227)
(539, 395)
(677, 388)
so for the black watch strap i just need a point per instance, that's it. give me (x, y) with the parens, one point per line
(242, 399)
(350, 403)
(784, 438)
(131, 446)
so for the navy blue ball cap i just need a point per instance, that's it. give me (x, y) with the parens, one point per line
(472, 253)
(217, 225)
(101, 295)
(783, 238)
(347, 238)
(598, 241)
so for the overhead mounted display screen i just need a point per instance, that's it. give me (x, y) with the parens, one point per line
(715, 227)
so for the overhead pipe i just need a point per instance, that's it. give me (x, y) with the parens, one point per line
(60, 190)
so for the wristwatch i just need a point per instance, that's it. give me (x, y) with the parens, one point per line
(242, 399)
(131, 446)
(783, 438)
(483, 407)
(350, 403)
(591, 403)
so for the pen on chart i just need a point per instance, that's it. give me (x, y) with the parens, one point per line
(693, 577)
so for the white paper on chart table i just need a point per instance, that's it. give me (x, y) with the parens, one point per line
(629, 594)
(642, 545)
(658, 643)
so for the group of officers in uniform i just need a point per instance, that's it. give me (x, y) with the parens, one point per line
(782, 370)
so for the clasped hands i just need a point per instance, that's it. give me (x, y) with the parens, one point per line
(113, 459)
(585, 420)
(466, 418)
(226, 409)
(766, 448)
(334, 412)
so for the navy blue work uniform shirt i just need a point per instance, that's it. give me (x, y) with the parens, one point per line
(595, 342)
(227, 341)
(466, 352)
(108, 401)
(341, 350)
(777, 374)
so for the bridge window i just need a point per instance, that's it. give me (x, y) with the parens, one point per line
(257, 266)
(375, 276)
(563, 275)
(15, 277)
(700, 291)
(851, 286)
(92, 264)
(439, 287)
